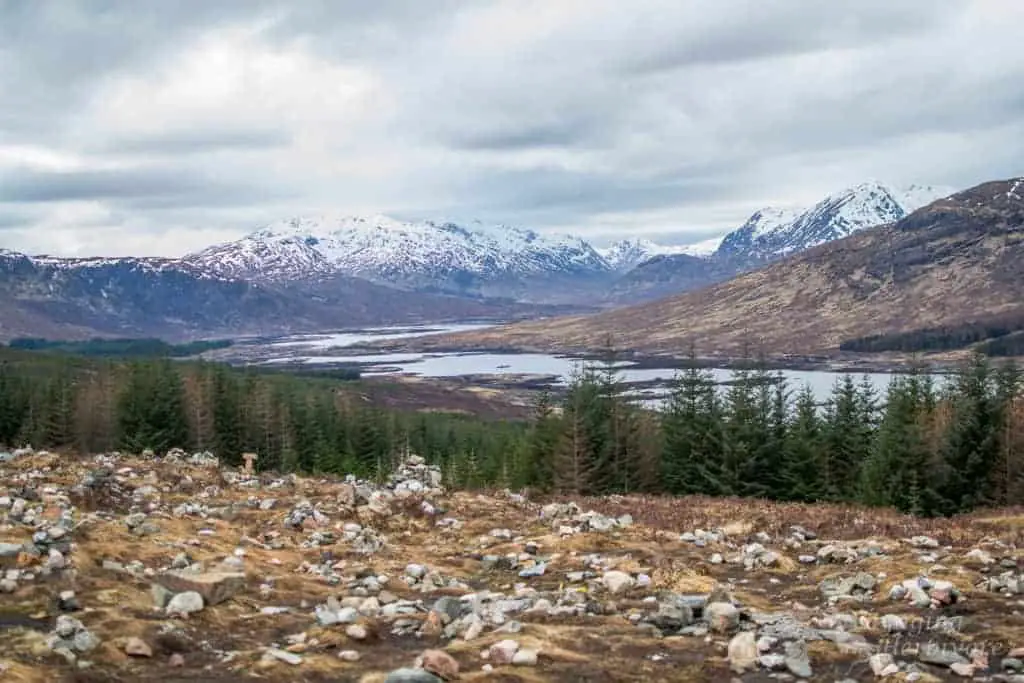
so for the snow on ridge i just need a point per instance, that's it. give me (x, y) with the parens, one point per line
(385, 248)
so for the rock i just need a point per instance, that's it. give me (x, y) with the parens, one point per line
(892, 623)
(412, 676)
(357, 632)
(722, 617)
(161, 596)
(1013, 664)
(881, 664)
(933, 653)
(85, 641)
(503, 651)
(283, 656)
(214, 587)
(797, 659)
(440, 663)
(185, 603)
(962, 669)
(136, 647)
(9, 554)
(742, 652)
(525, 657)
(671, 617)
(616, 581)
(349, 656)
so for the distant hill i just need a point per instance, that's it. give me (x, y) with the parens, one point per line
(132, 297)
(953, 262)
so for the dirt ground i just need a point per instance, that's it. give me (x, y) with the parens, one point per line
(227, 641)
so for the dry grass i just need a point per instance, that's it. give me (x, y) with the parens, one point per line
(599, 649)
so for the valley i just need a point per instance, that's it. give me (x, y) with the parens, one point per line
(516, 375)
(952, 265)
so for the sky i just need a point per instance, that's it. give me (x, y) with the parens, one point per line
(158, 128)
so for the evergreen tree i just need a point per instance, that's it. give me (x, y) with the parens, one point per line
(545, 431)
(692, 427)
(13, 404)
(971, 450)
(849, 431)
(803, 451)
(898, 472)
(151, 409)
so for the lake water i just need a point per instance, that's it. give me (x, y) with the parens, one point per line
(309, 350)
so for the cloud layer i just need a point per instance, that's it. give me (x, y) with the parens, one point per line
(156, 128)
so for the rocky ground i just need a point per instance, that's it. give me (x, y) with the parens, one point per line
(174, 568)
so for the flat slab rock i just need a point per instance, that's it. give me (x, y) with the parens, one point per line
(215, 587)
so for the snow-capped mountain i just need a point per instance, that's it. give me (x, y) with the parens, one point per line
(702, 249)
(425, 255)
(772, 233)
(624, 255)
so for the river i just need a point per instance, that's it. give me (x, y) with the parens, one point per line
(343, 349)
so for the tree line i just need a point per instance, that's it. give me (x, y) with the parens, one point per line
(922, 448)
(995, 336)
(119, 348)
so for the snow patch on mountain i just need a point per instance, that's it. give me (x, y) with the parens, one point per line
(384, 249)
(773, 232)
(626, 254)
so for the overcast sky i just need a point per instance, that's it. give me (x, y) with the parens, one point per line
(155, 128)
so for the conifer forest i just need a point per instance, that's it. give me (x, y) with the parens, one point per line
(922, 448)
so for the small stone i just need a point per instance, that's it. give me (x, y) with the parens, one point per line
(503, 651)
(722, 617)
(440, 663)
(743, 652)
(357, 632)
(412, 676)
(349, 656)
(185, 603)
(284, 656)
(616, 581)
(525, 657)
(177, 660)
(962, 669)
(880, 663)
(136, 647)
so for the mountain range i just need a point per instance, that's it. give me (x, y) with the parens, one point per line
(176, 299)
(950, 268)
(333, 271)
(770, 234)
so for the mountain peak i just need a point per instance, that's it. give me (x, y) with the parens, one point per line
(772, 233)
(445, 256)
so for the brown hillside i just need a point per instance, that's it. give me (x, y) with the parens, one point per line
(957, 260)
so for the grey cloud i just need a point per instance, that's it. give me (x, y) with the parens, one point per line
(141, 187)
(733, 31)
(200, 141)
(519, 111)
(524, 134)
(14, 219)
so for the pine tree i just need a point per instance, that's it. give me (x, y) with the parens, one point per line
(971, 448)
(849, 431)
(542, 443)
(13, 405)
(227, 416)
(574, 458)
(802, 469)
(1008, 475)
(898, 471)
(692, 458)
